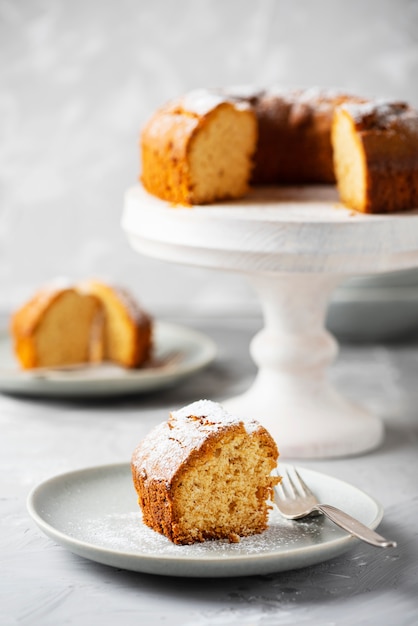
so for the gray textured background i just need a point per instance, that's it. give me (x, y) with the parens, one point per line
(79, 78)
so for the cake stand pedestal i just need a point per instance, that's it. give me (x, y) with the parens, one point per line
(295, 245)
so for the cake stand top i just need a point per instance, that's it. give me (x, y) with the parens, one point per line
(274, 229)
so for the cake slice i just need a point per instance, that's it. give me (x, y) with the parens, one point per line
(88, 322)
(205, 474)
(199, 149)
(54, 328)
(376, 156)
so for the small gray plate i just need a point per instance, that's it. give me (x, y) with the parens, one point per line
(93, 512)
(191, 351)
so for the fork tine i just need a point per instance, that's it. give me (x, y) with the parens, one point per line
(285, 486)
(294, 487)
(302, 485)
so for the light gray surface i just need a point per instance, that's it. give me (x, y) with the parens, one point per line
(77, 81)
(43, 584)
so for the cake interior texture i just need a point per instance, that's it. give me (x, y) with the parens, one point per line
(62, 334)
(221, 155)
(199, 478)
(349, 163)
(224, 493)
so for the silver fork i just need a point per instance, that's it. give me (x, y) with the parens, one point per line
(295, 500)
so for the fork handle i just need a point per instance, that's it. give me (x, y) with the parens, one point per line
(354, 527)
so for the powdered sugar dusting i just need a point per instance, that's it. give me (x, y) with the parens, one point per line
(136, 313)
(383, 114)
(205, 408)
(127, 300)
(202, 101)
(125, 532)
(215, 413)
(170, 444)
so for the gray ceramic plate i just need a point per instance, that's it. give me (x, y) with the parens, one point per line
(179, 352)
(93, 512)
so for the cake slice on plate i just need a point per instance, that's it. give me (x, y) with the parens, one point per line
(205, 474)
(73, 324)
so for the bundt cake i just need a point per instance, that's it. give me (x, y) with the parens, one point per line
(210, 145)
(90, 322)
(376, 156)
(205, 474)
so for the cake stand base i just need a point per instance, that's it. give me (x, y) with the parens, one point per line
(291, 395)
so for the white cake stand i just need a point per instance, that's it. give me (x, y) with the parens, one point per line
(295, 245)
